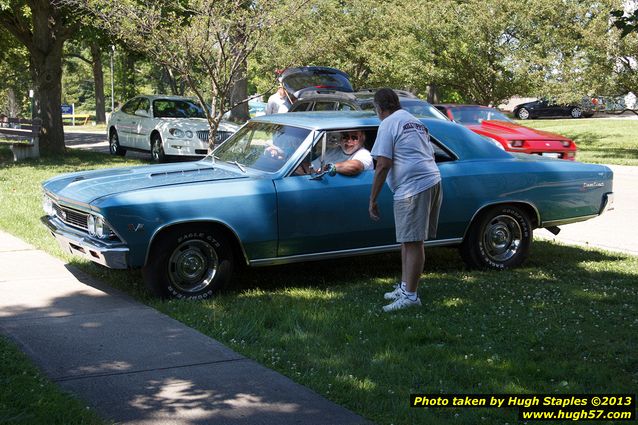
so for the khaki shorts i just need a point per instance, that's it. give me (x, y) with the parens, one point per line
(417, 217)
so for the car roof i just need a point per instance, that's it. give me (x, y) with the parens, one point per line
(340, 120)
(323, 120)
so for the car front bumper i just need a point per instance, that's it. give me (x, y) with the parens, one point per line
(111, 255)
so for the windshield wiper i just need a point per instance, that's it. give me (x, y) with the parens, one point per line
(241, 167)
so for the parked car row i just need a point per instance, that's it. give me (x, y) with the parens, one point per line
(168, 126)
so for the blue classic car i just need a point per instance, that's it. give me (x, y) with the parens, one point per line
(187, 225)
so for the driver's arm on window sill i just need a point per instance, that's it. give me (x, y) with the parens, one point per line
(351, 167)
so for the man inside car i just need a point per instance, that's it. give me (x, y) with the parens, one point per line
(350, 157)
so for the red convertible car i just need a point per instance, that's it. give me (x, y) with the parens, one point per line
(496, 127)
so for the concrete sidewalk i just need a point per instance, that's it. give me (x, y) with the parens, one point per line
(133, 364)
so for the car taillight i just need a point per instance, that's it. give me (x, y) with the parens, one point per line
(516, 143)
(570, 155)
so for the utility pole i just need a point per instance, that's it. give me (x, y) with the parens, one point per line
(112, 86)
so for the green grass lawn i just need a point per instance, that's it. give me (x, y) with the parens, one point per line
(599, 140)
(564, 323)
(28, 398)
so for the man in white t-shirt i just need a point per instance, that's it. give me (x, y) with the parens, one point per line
(351, 157)
(279, 102)
(405, 158)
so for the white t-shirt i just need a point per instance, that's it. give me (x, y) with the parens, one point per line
(337, 155)
(277, 104)
(406, 141)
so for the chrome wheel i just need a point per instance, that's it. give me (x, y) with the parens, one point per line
(114, 145)
(576, 113)
(157, 151)
(523, 113)
(193, 266)
(502, 238)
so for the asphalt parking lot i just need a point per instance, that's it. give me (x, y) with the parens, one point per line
(615, 230)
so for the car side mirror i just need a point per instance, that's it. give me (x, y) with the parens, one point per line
(142, 113)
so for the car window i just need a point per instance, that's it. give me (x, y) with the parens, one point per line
(469, 115)
(144, 105)
(131, 106)
(420, 108)
(300, 106)
(345, 107)
(262, 146)
(324, 106)
(440, 154)
(177, 108)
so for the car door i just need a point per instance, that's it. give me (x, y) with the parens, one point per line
(142, 124)
(123, 121)
(330, 213)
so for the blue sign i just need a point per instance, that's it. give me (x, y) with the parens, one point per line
(67, 109)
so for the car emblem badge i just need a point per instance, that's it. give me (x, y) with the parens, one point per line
(63, 215)
(135, 227)
(547, 144)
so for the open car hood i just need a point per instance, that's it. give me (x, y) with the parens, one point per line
(318, 77)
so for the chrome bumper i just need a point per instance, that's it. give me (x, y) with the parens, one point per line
(608, 202)
(114, 256)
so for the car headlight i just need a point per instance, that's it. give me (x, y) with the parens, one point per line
(516, 143)
(47, 206)
(90, 224)
(101, 229)
(97, 226)
(176, 132)
(189, 134)
(566, 143)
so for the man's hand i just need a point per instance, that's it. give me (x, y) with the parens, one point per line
(373, 210)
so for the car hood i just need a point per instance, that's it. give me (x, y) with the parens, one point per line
(88, 186)
(512, 131)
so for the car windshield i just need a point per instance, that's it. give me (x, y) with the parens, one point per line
(176, 108)
(477, 115)
(262, 146)
(423, 109)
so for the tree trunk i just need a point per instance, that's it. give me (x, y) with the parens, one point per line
(240, 92)
(98, 77)
(46, 59)
(128, 76)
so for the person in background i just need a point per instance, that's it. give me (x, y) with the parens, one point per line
(405, 158)
(279, 102)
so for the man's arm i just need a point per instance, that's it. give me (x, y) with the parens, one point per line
(351, 167)
(380, 174)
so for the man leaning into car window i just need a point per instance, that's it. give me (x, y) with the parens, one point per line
(350, 157)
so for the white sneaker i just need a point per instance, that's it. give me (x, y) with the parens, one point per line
(402, 302)
(395, 294)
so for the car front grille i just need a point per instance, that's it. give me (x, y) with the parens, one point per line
(220, 137)
(203, 135)
(71, 217)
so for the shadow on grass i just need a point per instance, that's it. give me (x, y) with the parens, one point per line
(546, 327)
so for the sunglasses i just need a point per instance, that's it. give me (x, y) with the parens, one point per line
(350, 136)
